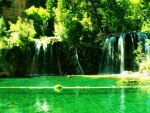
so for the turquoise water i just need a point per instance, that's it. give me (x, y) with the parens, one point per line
(121, 100)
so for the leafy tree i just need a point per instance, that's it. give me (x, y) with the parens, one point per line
(21, 33)
(51, 6)
(14, 50)
(78, 25)
(142, 60)
(62, 25)
(40, 16)
(140, 55)
(146, 26)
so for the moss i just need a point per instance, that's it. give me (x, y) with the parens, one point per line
(130, 82)
(58, 88)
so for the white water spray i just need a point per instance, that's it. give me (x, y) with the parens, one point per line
(121, 49)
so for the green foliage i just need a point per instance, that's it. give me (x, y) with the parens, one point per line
(86, 22)
(112, 16)
(21, 33)
(13, 47)
(40, 16)
(140, 55)
(141, 60)
(51, 6)
(146, 26)
(3, 32)
(2, 27)
(123, 15)
(95, 17)
(78, 23)
(63, 25)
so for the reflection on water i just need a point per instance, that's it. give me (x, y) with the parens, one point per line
(87, 101)
(122, 105)
(42, 106)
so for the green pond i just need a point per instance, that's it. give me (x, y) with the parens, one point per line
(80, 95)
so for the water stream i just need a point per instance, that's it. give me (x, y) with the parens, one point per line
(118, 60)
(43, 58)
(34, 68)
(121, 50)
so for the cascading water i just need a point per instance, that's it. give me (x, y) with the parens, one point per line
(36, 57)
(117, 60)
(43, 61)
(121, 50)
(44, 50)
(79, 68)
(144, 39)
(110, 53)
(103, 58)
(117, 56)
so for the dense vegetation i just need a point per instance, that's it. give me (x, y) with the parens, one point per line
(81, 25)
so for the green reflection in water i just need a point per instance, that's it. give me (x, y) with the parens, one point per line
(105, 100)
(75, 101)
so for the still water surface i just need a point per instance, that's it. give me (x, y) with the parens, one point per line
(122, 100)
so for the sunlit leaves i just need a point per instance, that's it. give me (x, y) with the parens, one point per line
(135, 1)
(67, 25)
(3, 42)
(142, 59)
(62, 19)
(21, 33)
(50, 6)
(146, 26)
(40, 16)
(86, 22)
(38, 12)
(140, 55)
(2, 26)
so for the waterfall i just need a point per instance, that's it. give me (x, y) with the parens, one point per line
(122, 101)
(118, 52)
(121, 49)
(36, 57)
(79, 68)
(108, 56)
(73, 64)
(44, 62)
(103, 53)
(39, 62)
(38, 46)
(147, 49)
(45, 51)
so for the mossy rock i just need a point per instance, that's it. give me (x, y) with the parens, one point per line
(129, 82)
(58, 88)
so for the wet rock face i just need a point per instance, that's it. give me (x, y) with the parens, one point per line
(131, 41)
(11, 9)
